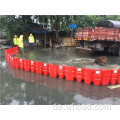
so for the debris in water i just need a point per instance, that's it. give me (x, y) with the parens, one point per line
(101, 60)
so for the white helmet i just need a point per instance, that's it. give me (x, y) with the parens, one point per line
(21, 35)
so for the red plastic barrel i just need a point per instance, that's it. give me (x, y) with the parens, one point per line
(55, 70)
(17, 63)
(97, 76)
(61, 71)
(13, 62)
(87, 75)
(32, 66)
(21, 64)
(118, 76)
(45, 68)
(113, 78)
(39, 67)
(27, 65)
(106, 77)
(69, 73)
(79, 74)
(10, 59)
(51, 70)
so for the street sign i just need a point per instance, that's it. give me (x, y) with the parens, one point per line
(72, 26)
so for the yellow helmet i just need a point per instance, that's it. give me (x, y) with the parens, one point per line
(30, 34)
(15, 35)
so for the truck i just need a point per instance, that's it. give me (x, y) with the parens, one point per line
(105, 36)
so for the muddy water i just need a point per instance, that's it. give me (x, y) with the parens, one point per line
(27, 88)
(72, 57)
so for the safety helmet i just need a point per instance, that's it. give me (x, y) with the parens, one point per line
(21, 36)
(30, 34)
(15, 35)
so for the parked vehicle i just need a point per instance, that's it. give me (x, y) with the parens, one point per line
(104, 37)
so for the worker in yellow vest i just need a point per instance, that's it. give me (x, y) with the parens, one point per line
(15, 40)
(31, 40)
(20, 43)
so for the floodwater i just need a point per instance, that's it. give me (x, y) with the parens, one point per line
(72, 57)
(18, 87)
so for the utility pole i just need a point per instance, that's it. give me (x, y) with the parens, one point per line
(71, 35)
(72, 26)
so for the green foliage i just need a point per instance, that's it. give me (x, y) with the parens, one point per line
(14, 25)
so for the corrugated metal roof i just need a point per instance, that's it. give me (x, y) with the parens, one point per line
(109, 24)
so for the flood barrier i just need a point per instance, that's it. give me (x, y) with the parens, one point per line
(95, 76)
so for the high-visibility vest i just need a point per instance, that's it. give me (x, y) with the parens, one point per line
(31, 39)
(15, 40)
(20, 42)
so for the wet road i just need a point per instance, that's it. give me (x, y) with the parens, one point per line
(26, 88)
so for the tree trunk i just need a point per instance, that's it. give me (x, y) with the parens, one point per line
(57, 36)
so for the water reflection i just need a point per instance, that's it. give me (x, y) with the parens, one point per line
(40, 89)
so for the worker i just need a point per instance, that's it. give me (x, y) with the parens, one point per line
(37, 42)
(15, 40)
(31, 40)
(20, 43)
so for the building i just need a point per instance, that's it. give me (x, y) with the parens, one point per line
(44, 35)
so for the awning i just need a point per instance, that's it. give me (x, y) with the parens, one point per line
(33, 31)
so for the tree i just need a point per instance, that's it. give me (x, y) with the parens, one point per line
(15, 25)
(58, 22)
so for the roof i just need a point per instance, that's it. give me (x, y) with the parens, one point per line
(109, 24)
(44, 31)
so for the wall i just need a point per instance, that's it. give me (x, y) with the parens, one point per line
(65, 39)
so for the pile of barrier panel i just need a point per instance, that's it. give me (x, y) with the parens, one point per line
(97, 76)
